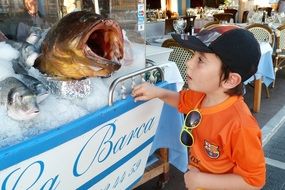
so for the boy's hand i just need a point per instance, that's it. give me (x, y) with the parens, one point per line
(144, 91)
(190, 178)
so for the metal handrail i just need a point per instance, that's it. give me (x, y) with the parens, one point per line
(130, 75)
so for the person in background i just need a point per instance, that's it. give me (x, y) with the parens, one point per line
(281, 6)
(31, 7)
(223, 137)
(18, 27)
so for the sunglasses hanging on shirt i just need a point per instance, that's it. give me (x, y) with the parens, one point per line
(192, 120)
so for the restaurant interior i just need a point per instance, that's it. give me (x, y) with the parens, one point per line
(198, 13)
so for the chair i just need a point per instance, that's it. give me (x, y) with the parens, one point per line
(169, 25)
(223, 17)
(244, 16)
(279, 62)
(267, 9)
(263, 34)
(179, 55)
(233, 11)
(190, 23)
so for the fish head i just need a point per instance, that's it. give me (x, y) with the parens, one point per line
(22, 104)
(104, 45)
(82, 44)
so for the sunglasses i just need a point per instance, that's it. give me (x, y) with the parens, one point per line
(192, 120)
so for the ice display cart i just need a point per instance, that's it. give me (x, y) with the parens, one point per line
(105, 149)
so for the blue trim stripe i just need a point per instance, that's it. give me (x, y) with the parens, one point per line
(115, 166)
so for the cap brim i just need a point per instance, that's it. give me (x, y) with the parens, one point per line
(191, 42)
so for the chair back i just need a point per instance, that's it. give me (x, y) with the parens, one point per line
(232, 11)
(262, 33)
(223, 17)
(244, 16)
(279, 62)
(267, 9)
(190, 23)
(169, 25)
(180, 56)
(280, 38)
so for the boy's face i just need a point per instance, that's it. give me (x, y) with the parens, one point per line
(203, 72)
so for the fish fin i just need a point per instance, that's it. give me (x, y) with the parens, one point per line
(18, 68)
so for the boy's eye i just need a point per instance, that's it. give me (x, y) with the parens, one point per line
(200, 60)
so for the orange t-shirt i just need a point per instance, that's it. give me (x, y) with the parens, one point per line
(228, 139)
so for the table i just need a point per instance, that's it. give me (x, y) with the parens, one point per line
(166, 140)
(169, 128)
(265, 74)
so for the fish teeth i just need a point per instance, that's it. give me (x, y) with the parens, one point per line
(96, 68)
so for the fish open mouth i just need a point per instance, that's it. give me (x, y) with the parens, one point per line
(105, 45)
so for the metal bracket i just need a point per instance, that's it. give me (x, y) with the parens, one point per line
(130, 75)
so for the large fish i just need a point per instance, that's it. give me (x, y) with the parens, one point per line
(82, 44)
(19, 100)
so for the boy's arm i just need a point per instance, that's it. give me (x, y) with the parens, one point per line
(195, 180)
(147, 91)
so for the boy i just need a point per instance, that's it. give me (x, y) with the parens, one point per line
(225, 139)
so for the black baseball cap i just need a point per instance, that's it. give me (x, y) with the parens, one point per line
(236, 47)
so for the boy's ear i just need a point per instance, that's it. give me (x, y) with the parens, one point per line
(233, 80)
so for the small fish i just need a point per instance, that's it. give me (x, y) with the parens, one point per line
(35, 85)
(36, 37)
(19, 100)
(28, 53)
(82, 44)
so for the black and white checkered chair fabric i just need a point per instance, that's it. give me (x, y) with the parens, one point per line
(179, 55)
(262, 33)
(279, 62)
